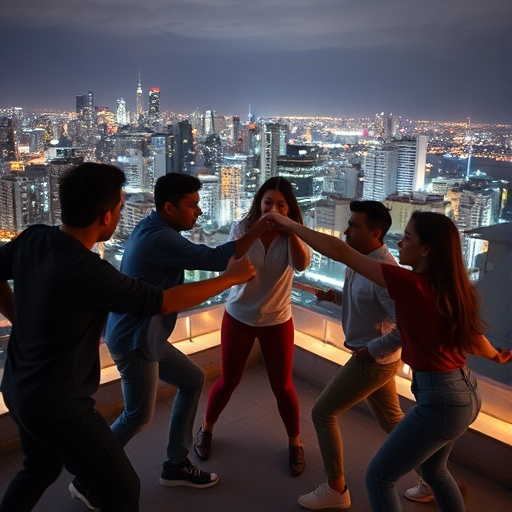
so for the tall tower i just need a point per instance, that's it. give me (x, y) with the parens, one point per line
(121, 118)
(154, 101)
(379, 166)
(209, 123)
(470, 149)
(273, 144)
(85, 106)
(411, 162)
(7, 140)
(140, 109)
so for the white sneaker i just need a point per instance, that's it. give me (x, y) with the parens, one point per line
(323, 497)
(421, 492)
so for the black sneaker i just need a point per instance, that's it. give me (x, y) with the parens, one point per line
(186, 474)
(81, 493)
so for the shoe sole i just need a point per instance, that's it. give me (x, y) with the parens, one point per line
(423, 499)
(324, 507)
(186, 483)
(76, 495)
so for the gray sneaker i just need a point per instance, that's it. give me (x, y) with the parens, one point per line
(421, 492)
(323, 497)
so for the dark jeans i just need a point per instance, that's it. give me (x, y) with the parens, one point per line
(86, 447)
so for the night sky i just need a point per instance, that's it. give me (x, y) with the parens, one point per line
(422, 59)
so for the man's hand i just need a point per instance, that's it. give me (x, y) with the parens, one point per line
(240, 270)
(328, 296)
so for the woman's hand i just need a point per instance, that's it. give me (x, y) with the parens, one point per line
(279, 222)
(504, 355)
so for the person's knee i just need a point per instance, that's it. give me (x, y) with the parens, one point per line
(135, 421)
(320, 416)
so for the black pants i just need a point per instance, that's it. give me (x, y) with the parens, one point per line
(86, 447)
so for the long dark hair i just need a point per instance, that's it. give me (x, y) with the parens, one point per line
(274, 183)
(456, 297)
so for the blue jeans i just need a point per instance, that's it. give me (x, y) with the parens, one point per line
(447, 403)
(139, 382)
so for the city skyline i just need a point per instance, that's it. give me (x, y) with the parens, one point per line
(424, 60)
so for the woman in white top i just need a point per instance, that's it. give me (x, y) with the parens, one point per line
(261, 309)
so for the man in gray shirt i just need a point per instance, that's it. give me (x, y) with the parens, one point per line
(370, 332)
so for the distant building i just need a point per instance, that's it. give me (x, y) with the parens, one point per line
(182, 147)
(402, 206)
(380, 169)
(7, 140)
(273, 144)
(24, 198)
(133, 164)
(137, 206)
(85, 107)
(247, 164)
(212, 153)
(121, 115)
(230, 195)
(140, 107)
(209, 195)
(154, 101)
(411, 164)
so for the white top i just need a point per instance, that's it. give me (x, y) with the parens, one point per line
(266, 298)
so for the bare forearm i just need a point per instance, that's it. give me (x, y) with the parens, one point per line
(483, 348)
(299, 255)
(191, 294)
(338, 250)
(187, 295)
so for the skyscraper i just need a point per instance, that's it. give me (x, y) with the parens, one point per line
(140, 109)
(380, 165)
(85, 107)
(181, 147)
(121, 117)
(24, 196)
(411, 162)
(209, 123)
(154, 101)
(273, 144)
(7, 140)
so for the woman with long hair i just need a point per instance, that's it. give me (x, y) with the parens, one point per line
(437, 316)
(262, 309)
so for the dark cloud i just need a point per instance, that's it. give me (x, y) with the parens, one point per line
(325, 57)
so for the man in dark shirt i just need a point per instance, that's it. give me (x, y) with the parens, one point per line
(63, 292)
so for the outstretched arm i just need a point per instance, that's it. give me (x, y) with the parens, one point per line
(333, 248)
(483, 348)
(190, 294)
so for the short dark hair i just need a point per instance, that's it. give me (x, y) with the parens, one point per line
(377, 215)
(88, 190)
(173, 187)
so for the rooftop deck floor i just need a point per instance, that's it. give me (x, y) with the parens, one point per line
(250, 455)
